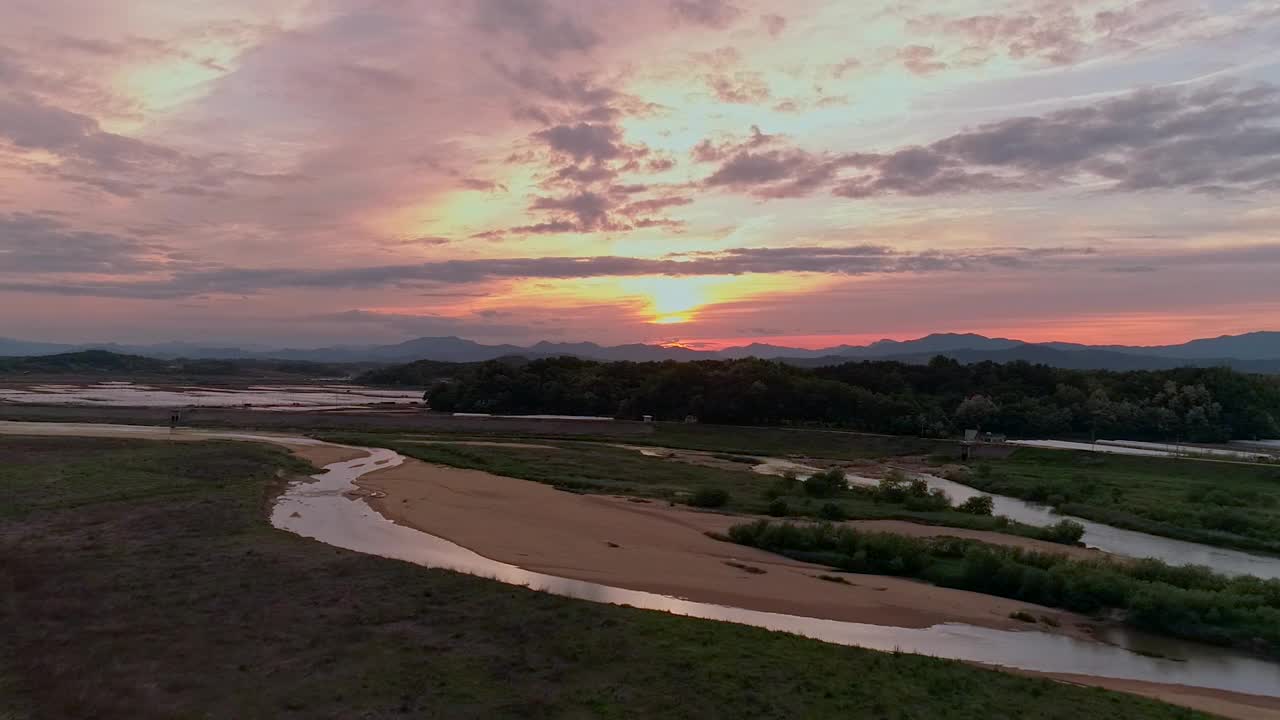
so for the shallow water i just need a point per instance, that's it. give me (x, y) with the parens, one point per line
(1145, 449)
(319, 509)
(263, 397)
(1118, 541)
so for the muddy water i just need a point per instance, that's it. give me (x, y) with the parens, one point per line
(322, 510)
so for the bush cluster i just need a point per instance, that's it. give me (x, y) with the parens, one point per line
(709, 498)
(1182, 601)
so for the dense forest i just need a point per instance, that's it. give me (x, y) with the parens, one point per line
(938, 399)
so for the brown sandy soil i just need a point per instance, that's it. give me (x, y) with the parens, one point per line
(321, 455)
(653, 547)
(658, 548)
(1217, 702)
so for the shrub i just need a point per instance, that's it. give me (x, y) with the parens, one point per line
(826, 484)
(978, 505)
(892, 487)
(709, 498)
(1022, 616)
(932, 501)
(1067, 532)
(778, 508)
(831, 511)
(1188, 602)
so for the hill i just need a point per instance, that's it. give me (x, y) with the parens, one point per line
(1252, 352)
(86, 361)
(120, 365)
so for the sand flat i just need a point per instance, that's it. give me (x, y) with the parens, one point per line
(657, 548)
(664, 549)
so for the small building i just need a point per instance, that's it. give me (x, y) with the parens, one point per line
(979, 444)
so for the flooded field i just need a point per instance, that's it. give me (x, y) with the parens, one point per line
(259, 397)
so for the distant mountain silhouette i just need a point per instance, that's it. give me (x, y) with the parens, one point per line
(1255, 352)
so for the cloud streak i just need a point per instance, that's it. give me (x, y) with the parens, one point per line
(856, 260)
(1216, 139)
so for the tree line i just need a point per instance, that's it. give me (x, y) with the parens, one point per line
(938, 399)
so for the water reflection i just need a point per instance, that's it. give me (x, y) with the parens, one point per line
(1129, 543)
(320, 510)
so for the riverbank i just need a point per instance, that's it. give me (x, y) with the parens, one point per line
(1224, 504)
(660, 548)
(654, 547)
(1189, 603)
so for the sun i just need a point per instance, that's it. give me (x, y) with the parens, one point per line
(673, 319)
(672, 300)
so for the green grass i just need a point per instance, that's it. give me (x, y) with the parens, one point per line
(40, 476)
(590, 467)
(175, 599)
(1216, 503)
(583, 466)
(733, 440)
(1184, 602)
(784, 441)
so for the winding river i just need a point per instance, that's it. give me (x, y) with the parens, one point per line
(1114, 540)
(321, 509)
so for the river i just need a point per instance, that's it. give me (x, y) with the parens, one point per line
(321, 509)
(1114, 540)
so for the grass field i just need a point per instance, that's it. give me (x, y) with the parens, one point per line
(147, 584)
(1217, 503)
(590, 467)
(783, 441)
(695, 436)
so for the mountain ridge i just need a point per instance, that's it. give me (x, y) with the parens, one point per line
(1255, 351)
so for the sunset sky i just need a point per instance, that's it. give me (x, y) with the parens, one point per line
(709, 172)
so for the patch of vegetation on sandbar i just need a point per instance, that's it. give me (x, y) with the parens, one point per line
(1187, 601)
